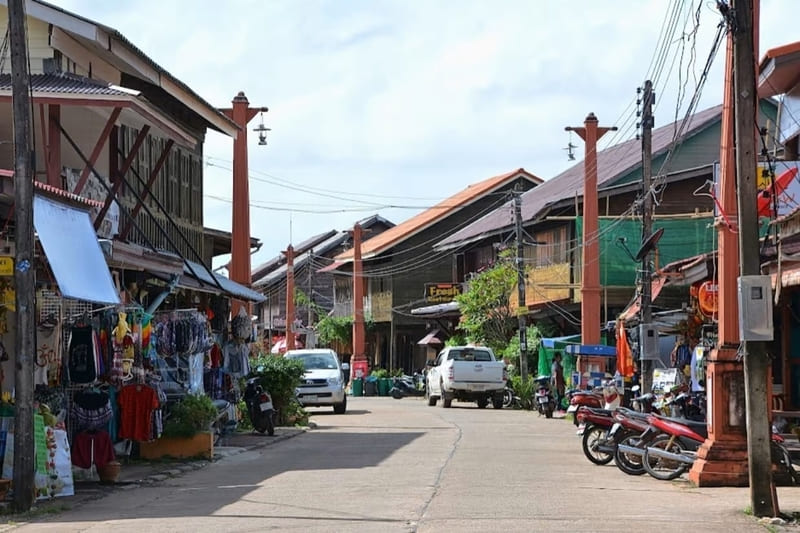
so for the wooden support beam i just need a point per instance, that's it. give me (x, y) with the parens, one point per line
(54, 146)
(150, 181)
(123, 169)
(98, 147)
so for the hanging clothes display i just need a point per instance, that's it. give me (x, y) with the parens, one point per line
(92, 448)
(91, 409)
(48, 352)
(236, 359)
(137, 404)
(82, 355)
(181, 333)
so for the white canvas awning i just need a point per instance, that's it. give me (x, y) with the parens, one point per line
(71, 247)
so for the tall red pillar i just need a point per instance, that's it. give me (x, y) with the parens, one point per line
(289, 297)
(239, 269)
(590, 283)
(358, 298)
(722, 458)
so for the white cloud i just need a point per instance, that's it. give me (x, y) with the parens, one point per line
(412, 99)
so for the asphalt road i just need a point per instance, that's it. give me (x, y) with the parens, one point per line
(390, 465)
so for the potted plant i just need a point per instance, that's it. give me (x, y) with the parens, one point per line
(186, 430)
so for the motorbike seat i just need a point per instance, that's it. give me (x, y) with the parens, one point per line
(599, 411)
(698, 426)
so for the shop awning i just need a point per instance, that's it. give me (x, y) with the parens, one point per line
(229, 286)
(449, 308)
(71, 247)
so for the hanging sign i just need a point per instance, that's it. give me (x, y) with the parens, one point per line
(6, 266)
(442, 292)
(707, 298)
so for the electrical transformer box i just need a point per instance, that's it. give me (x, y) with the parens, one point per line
(755, 308)
(648, 343)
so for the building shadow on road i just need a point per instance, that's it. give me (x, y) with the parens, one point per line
(227, 482)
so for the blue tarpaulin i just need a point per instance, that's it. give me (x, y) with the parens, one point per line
(597, 350)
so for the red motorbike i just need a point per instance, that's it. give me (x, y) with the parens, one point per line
(671, 454)
(596, 424)
(579, 398)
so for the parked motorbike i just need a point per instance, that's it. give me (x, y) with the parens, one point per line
(545, 402)
(597, 424)
(671, 454)
(588, 398)
(259, 407)
(405, 386)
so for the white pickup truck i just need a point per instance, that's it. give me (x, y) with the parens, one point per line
(466, 373)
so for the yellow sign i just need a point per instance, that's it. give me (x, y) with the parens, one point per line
(6, 266)
(442, 292)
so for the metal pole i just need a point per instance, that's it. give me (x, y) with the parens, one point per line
(645, 360)
(522, 308)
(24, 345)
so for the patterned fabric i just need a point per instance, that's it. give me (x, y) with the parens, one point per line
(92, 418)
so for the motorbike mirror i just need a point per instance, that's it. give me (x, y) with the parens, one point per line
(260, 368)
(635, 388)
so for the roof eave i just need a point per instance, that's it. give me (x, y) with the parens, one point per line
(112, 41)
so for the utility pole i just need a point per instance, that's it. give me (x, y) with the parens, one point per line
(522, 307)
(645, 361)
(358, 299)
(590, 280)
(289, 297)
(308, 285)
(23, 479)
(756, 360)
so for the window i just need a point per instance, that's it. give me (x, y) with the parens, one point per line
(553, 249)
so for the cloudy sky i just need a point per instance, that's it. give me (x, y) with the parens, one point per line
(389, 106)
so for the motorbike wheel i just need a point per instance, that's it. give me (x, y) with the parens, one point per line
(508, 398)
(548, 411)
(270, 423)
(627, 462)
(261, 421)
(659, 467)
(482, 403)
(592, 436)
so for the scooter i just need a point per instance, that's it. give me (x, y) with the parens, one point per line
(545, 403)
(405, 386)
(259, 407)
(671, 454)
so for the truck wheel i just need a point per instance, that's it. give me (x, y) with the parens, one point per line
(431, 399)
(482, 403)
(447, 399)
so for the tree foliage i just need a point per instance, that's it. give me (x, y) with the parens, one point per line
(486, 314)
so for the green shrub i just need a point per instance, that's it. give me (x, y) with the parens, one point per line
(193, 414)
(525, 391)
(380, 373)
(278, 376)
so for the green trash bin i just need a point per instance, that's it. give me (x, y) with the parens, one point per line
(383, 386)
(358, 387)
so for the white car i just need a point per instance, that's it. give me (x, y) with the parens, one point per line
(323, 382)
(467, 374)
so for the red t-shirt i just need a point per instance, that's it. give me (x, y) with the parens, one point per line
(136, 404)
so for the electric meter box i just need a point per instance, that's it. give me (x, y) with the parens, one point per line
(755, 308)
(648, 343)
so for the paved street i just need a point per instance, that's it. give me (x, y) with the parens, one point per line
(393, 465)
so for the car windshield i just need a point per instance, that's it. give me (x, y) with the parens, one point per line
(316, 361)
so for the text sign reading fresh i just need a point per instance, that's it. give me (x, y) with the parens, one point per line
(442, 292)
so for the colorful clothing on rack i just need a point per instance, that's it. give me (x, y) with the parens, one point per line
(137, 404)
(48, 354)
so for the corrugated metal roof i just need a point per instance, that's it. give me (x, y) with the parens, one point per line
(612, 163)
(231, 287)
(279, 273)
(443, 209)
(64, 83)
